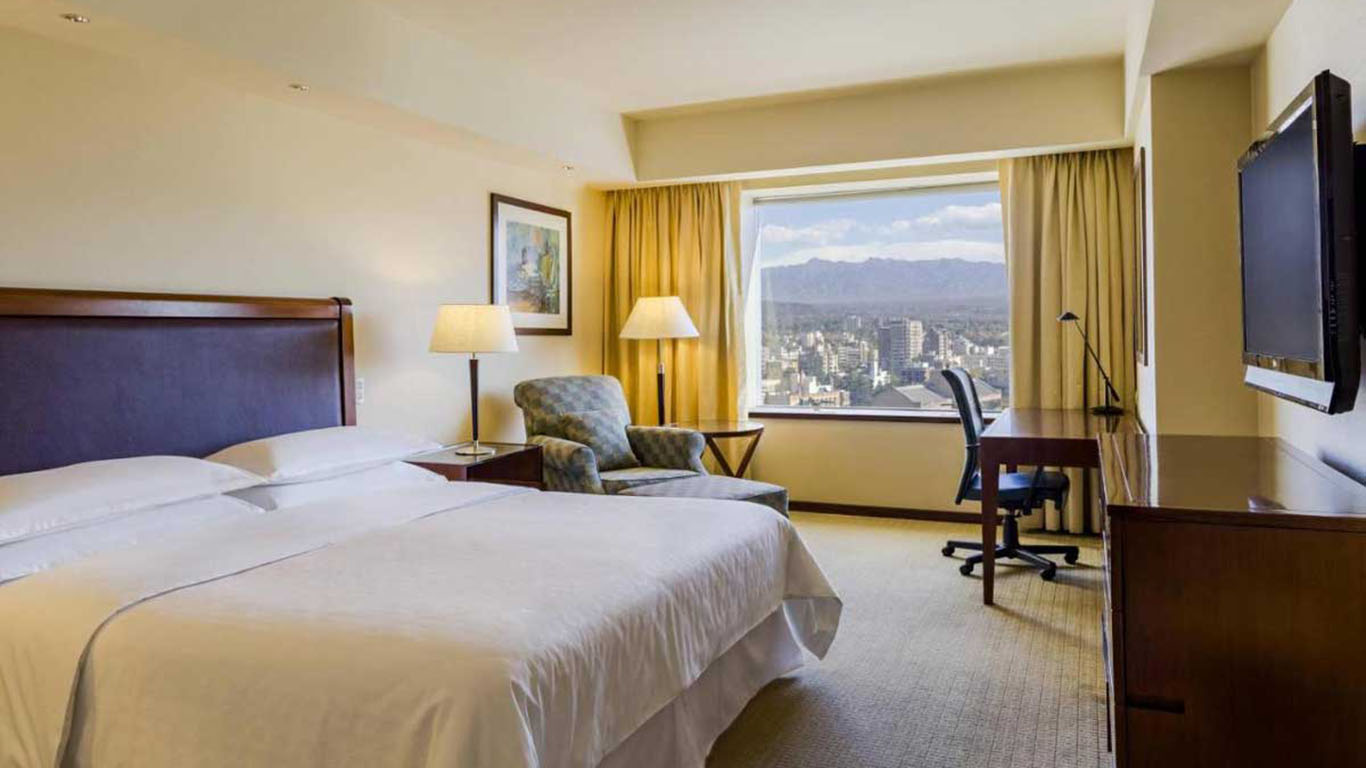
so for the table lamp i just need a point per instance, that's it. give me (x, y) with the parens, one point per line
(473, 328)
(1109, 409)
(659, 318)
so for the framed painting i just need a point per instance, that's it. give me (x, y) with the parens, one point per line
(530, 265)
(1141, 255)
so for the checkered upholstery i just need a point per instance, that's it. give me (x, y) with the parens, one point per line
(605, 433)
(619, 480)
(717, 487)
(571, 466)
(668, 447)
(544, 401)
(567, 465)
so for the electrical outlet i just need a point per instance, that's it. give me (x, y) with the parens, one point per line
(360, 390)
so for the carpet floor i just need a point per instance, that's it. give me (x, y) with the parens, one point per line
(922, 674)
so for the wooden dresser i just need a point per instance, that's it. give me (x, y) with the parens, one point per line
(1235, 612)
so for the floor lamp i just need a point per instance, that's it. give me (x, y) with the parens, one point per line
(659, 318)
(473, 328)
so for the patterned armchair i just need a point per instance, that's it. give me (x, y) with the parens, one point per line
(662, 453)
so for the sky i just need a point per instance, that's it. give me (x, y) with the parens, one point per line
(914, 226)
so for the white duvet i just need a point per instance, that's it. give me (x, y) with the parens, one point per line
(454, 625)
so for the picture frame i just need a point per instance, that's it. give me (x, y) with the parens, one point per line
(1141, 255)
(531, 265)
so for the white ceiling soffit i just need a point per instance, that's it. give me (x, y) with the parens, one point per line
(358, 52)
(649, 54)
(1183, 32)
(1166, 34)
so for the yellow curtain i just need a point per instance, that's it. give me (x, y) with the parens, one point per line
(677, 241)
(1069, 233)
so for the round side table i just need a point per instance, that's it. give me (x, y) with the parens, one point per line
(714, 429)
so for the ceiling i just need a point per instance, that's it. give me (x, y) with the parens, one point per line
(636, 55)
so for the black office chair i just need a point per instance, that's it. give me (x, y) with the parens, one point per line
(1019, 493)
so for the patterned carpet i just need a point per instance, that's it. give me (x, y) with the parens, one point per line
(923, 674)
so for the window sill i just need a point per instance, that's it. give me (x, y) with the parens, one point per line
(857, 414)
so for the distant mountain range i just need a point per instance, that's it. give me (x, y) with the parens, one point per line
(882, 280)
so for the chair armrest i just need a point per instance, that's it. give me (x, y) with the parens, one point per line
(668, 447)
(567, 465)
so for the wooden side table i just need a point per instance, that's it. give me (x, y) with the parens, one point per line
(712, 430)
(509, 464)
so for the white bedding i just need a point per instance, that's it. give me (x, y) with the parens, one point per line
(129, 529)
(458, 624)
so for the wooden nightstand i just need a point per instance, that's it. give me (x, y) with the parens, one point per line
(509, 464)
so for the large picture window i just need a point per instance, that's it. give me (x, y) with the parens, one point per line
(865, 298)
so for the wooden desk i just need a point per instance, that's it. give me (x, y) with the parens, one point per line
(1235, 607)
(1036, 437)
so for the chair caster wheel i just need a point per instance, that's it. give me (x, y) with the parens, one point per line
(947, 551)
(1070, 558)
(965, 569)
(1049, 573)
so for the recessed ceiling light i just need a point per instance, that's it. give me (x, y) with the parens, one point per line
(300, 87)
(75, 18)
(567, 167)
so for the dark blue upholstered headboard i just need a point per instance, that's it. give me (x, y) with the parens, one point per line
(91, 375)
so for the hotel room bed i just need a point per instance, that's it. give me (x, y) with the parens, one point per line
(454, 624)
(443, 624)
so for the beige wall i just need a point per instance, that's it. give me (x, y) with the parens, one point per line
(880, 464)
(1198, 129)
(115, 175)
(1312, 36)
(1029, 109)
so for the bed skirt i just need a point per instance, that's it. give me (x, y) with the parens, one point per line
(682, 733)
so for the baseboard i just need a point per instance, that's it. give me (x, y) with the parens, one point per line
(900, 513)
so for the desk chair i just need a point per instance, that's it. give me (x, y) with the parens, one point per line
(1019, 494)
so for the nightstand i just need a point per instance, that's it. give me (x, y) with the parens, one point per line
(509, 464)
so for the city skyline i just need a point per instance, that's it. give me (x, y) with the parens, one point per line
(857, 344)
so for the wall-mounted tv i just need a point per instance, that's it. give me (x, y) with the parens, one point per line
(1298, 219)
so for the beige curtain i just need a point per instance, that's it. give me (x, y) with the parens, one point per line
(1069, 232)
(683, 241)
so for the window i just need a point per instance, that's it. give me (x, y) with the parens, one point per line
(865, 297)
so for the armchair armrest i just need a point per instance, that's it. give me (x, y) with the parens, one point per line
(567, 465)
(668, 447)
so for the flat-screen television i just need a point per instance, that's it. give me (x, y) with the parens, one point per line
(1298, 220)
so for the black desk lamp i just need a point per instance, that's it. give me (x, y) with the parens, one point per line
(1109, 409)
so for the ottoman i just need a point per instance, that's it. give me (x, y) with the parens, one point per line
(716, 487)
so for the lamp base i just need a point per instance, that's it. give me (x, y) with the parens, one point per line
(474, 449)
(1107, 410)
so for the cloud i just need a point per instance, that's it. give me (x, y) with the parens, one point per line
(968, 250)
(820, 233)
(987, 216)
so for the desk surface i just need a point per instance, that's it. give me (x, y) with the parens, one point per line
(1055, 424)
(1229, 479)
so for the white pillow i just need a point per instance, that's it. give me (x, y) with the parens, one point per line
(395, 474)
(321, 453)
(34, 503)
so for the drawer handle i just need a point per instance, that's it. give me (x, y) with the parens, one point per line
(1157, 704)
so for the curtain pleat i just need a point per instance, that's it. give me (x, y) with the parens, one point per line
(1069, 232)
(677, 241)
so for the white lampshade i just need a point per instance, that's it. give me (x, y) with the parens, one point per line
(473, 328)
(659, 317)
